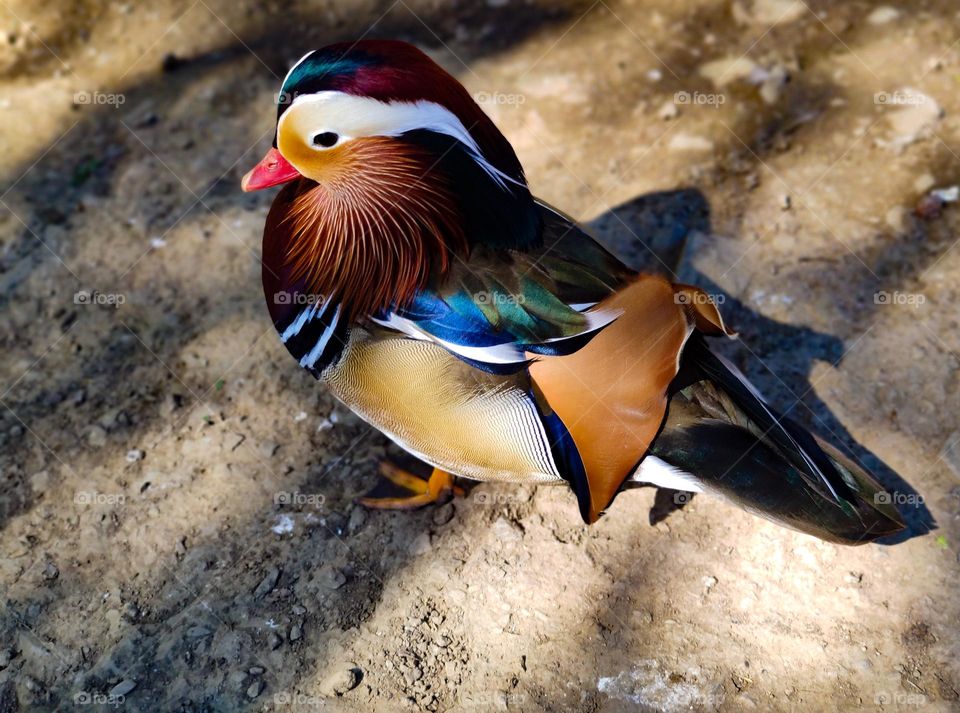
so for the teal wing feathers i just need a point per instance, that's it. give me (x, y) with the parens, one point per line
(499, 306)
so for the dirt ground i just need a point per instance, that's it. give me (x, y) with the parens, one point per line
(177, 525)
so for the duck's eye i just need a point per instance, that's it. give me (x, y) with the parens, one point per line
(326, 139)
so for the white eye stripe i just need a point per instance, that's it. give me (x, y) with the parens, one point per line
(354, 116)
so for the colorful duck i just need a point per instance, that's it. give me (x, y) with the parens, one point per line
(408, 267)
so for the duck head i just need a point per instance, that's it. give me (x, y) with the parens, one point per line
(391, 169)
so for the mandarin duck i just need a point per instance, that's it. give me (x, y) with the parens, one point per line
(408, 267)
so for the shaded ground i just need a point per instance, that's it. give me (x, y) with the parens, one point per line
(176, 521)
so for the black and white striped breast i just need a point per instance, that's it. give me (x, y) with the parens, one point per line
(315, 333)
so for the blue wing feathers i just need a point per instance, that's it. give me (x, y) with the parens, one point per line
(501, 306)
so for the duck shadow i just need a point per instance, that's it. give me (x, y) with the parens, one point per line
(659, 232)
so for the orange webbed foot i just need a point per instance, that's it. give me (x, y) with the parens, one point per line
(438, 488)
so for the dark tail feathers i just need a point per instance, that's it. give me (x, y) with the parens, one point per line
(722, 432)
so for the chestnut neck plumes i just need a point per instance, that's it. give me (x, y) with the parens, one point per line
(372, 235)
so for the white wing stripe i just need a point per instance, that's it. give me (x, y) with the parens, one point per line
(595, 320)
(660, 473)
(507, 353)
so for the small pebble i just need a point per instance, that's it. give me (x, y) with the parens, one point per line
(882, 15)
(947, 195)
(235, 680)
(772, 86)
(412, 675)
(97, 436)
(134, 455)
(325, 425)
(255, 689)
(420, 545)
(504, 530)
(341, 681)
(896, 218)
(123, 688)
(284, 524)
(40, 481)
(358, 518)
(332, 578)
(267, 584)
(924, 183)
(296, 632)
(689, 142)
(669, 111)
